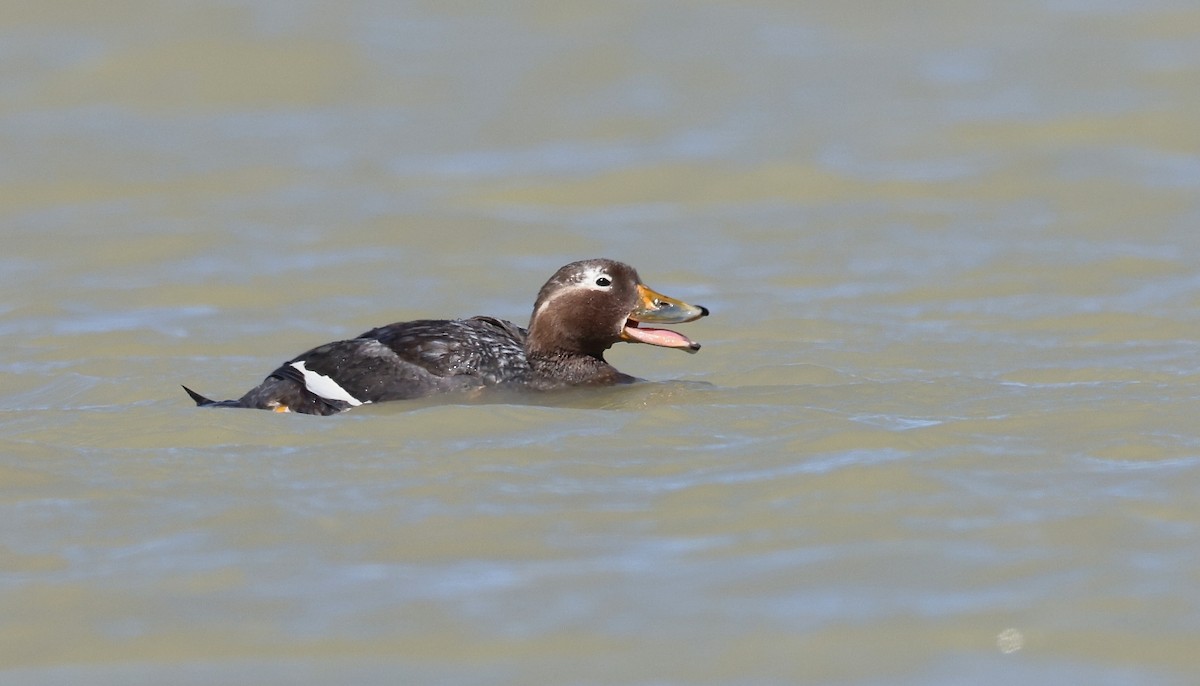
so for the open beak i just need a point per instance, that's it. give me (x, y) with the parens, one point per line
(655, 308)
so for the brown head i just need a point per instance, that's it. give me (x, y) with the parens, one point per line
(588, 306)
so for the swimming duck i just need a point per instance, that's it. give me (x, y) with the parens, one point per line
(583, 310)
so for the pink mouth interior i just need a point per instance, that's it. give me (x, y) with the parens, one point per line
(662, 337)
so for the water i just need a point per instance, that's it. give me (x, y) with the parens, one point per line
(941, 431)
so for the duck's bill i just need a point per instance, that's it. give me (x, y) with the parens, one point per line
(656, 308)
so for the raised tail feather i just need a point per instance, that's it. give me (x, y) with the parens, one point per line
(201, 401)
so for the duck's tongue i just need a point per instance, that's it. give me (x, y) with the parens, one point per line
(660, 337)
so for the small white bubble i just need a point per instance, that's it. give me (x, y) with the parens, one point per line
(1010, 641)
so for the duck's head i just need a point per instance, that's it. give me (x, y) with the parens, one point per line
(588, 306)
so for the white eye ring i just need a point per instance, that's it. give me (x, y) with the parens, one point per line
(603, 281)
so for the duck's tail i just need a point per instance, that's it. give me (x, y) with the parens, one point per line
(201, 401)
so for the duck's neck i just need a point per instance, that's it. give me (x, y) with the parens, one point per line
(560, 369)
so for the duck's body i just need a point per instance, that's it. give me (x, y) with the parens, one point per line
(580, 312)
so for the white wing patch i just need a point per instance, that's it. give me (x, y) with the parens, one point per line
(324, 386)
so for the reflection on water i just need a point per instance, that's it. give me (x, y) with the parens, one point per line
(941, 431)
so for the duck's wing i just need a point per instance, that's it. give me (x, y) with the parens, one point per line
(393, 362)
(483, 351)
(412, 359)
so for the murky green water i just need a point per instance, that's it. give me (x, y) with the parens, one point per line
(943, 429)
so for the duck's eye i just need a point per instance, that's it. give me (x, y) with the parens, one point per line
(603, 282)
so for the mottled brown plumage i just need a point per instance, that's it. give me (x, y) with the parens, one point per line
(583, 310)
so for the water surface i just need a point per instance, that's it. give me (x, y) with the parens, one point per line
(942, 429)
